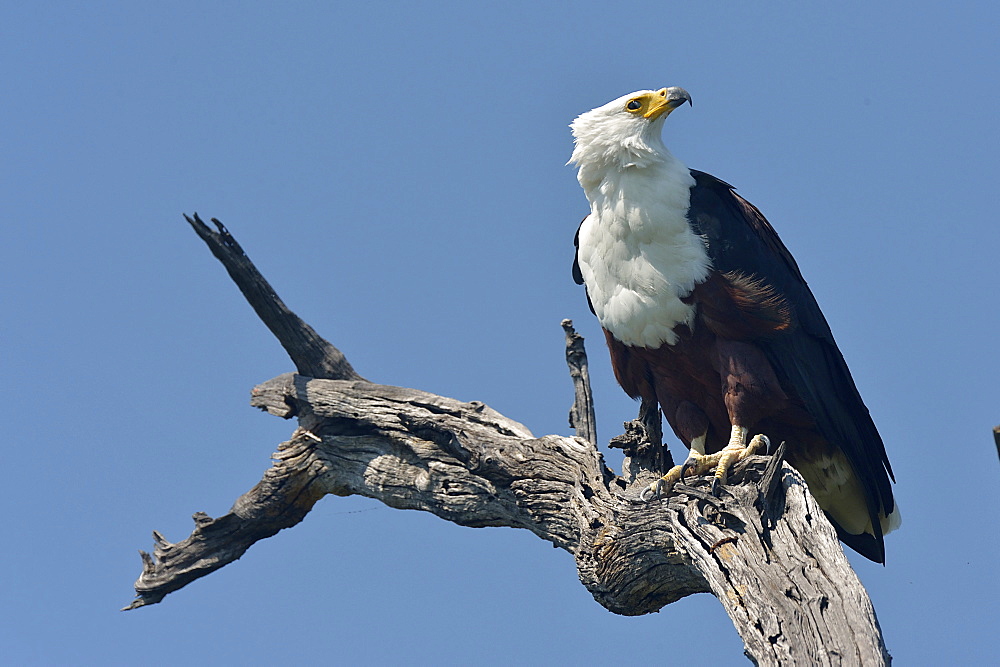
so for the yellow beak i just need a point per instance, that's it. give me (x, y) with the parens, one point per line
(666, 100)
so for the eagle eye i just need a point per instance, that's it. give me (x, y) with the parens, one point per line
(633, 105)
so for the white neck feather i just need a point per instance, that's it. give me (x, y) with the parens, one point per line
(637, 252)
(604, 143)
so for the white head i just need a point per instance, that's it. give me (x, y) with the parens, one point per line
(625, 132)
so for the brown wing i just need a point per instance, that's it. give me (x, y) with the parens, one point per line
(807, 361)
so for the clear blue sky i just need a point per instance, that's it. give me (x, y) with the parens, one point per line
(398, 172)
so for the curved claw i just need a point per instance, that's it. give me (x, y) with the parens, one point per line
(654, 490)
(690, 464)
(716, 487)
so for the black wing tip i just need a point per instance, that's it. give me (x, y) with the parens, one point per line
(869, 546)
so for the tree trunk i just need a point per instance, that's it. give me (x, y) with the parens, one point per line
(764, 548)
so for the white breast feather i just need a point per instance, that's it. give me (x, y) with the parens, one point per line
(638, 254)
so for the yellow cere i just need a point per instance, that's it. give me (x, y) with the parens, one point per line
(650, 105)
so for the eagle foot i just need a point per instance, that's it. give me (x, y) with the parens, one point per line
(698, 464)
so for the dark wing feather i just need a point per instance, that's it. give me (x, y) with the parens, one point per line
(741, 239)
(577, 273)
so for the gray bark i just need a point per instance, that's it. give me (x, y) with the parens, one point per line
(582, 418)
(764, 548)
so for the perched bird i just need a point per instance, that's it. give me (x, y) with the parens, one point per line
(705, 312)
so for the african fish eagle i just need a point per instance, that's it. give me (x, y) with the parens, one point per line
(705, 312)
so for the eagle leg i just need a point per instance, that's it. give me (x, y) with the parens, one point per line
(694, 464)
(733, 452)
(698, 463)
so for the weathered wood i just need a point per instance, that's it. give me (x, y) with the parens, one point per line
(312, 354)
(280, 500)
(470, 465)
(789, 590)
(646, 457)
(764, 548)
(582, 417)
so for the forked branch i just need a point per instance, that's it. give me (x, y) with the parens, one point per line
(764, 549)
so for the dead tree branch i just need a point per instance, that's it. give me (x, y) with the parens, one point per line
(764, 549)
(312, 354)
(582, 418)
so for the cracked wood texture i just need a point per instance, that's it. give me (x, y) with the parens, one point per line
(763, 548)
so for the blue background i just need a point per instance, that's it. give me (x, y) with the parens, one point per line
(397, 171)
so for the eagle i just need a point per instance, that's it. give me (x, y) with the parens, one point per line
(705, 312)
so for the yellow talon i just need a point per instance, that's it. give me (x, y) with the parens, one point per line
(697, 464)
